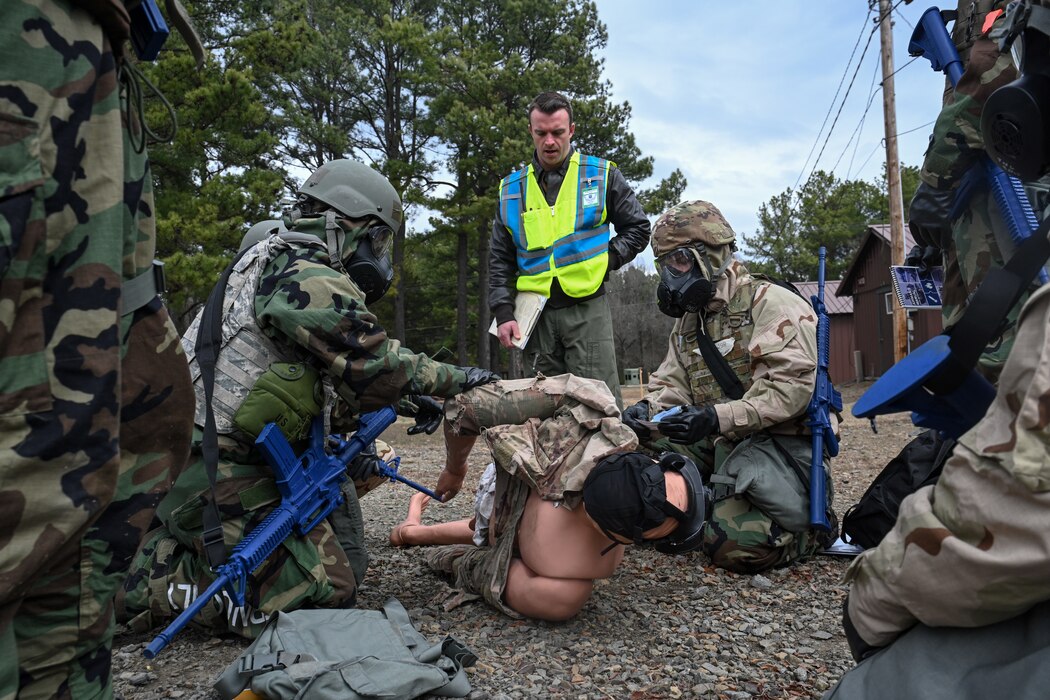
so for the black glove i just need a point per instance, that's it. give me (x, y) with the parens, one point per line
(914, 256)
(691, 424)
(857, 646)
(924, 258)
(631, 417)
(478, 376)
(928, 216)
(428, 415)
(365, 465)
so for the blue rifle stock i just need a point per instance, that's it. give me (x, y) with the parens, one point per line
(825, 398)
(149, 31)
(931, 41)
(309, 487)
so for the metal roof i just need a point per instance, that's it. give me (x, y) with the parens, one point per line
(834, 304)
(879, 233)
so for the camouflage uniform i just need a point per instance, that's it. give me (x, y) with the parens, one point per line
(768, 336)
(302, 310)
(955, 149)
(545, 435)
(972, 551)
(96, 404)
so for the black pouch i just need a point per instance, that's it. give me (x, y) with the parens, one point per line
(917, 465)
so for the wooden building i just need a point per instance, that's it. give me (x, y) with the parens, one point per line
(867, 282)
(841, 342)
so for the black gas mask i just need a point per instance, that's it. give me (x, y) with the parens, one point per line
(1015, 122)
(625, 495)
(683, 287)
(369, 266)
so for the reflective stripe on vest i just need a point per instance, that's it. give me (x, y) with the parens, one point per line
(569, 240)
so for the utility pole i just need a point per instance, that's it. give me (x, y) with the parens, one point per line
(893, 174)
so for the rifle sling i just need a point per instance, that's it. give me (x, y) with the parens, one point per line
(206, 349)
(987, 311)
(720, 369)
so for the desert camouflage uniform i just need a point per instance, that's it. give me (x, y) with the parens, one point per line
(95, 407)
(768, 336)
(312, 313)
(973, 550)
(956, 148)
(545, 435)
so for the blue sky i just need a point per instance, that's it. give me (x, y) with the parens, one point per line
(735, 93)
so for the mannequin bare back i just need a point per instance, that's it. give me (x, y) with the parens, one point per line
(557, 542)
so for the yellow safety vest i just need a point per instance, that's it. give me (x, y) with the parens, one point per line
(569, 240)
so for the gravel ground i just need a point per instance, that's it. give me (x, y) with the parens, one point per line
(661, 627)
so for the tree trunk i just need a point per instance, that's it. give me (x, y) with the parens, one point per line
(399, 297)
(461, 298)
(484, 318)
(516, 369)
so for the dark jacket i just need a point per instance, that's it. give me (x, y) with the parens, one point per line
(624, 213)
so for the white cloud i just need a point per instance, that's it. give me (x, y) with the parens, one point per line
(735, 94)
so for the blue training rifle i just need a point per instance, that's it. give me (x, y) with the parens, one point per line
(310, 491)
(825, 398)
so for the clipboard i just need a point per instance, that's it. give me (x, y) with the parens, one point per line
(527, 309)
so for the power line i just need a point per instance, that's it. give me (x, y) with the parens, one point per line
(832, 105)
(842, 104)
(875, 91)
(880, 144)
(872, 90)
(796, 198)
(920, 126)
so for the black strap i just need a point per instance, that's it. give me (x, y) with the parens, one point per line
(718, 364)
(801, 473)
(986, 314)
(206, 350)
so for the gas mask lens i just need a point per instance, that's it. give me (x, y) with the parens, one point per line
(678, 262)
(382, 238)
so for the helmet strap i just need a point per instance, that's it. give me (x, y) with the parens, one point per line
(714, 274)
(702, 249)
(334, 236)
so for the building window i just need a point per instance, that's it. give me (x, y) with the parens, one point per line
(888, 297)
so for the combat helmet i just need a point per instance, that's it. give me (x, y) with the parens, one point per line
(693, 245)
(261, 231)
(355, 191)
(688, 223)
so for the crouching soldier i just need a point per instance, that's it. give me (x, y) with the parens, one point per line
(296, 340)
(740, 370)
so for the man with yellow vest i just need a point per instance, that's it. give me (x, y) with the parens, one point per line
(551, 236)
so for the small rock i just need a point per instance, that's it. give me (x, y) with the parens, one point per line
(760, 581)
(717, 670)
(801, 674)
(139, 679)
(821, 634)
